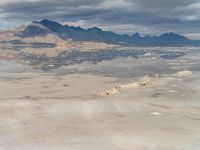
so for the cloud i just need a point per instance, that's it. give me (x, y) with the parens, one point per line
(128, 16)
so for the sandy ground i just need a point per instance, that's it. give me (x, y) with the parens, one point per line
(40, 111)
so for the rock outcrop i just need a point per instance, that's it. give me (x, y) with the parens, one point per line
(183, 73)
(144, 81)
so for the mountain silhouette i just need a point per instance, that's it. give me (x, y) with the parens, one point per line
(95, 34)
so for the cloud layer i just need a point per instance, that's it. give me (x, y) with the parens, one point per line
(122, 16)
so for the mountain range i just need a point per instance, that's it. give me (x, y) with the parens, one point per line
(49, 45)
(95, 34)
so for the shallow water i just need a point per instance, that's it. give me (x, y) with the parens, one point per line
(151, 61)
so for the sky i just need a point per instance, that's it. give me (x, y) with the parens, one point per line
(148, 17)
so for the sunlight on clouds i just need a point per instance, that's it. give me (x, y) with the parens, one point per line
(78, 23)
(11, 1)
(195, 6)
(114, 4)
(191, 17)
(128, 28)
(195, 36)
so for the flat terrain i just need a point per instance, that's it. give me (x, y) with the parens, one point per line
(63, 108)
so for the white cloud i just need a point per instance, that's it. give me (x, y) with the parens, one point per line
(191, 17)
(78, 23)
(13, 1)
(194, 5)
(195, 36)
(110, 4)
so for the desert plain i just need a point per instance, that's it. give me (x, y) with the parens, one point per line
(64, 109)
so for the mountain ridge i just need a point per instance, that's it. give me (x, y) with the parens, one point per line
(95, 34)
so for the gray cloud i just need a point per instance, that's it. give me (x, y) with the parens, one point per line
(124, 16)
(162, 4)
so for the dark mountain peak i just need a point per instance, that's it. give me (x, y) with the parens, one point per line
(136, 35)
(35, 29)
(95, 29)
(168, 34)
(171, 35)
(148, 37)
(75, 28)
(47, 21)
(52, 25)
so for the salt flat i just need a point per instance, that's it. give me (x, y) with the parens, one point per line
(63, 109)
